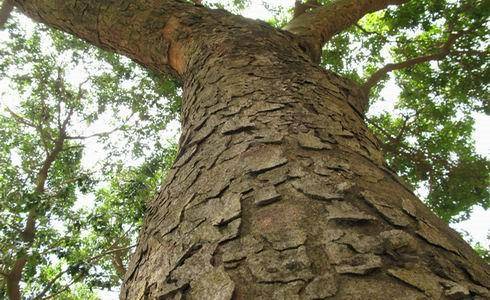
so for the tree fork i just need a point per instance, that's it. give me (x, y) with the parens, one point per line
(321, 23)
(28, 234)
(279, 189)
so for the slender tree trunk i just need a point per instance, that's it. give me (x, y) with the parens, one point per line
(281, 192)
(28, 234)
(13, 288)
(13, 279)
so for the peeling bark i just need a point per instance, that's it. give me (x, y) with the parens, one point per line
(280, 191)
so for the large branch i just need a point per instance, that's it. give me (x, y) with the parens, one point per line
(320, 24)
(5, 11)
(443, 51)
(153, 33)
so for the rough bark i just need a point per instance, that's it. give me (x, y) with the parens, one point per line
(279, 190)
(154, 33)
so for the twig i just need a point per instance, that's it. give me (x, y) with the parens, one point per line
(67, 286)
(99, 134)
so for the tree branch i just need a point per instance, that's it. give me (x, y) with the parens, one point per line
(112, 250)
(20, 119)
(3, 273)
(13, 278)
(118, 264)
(60, 274)
(320, 24)
(153, 33)
(65, 288)
(443, 52)
(44, 135)
(29, 231)
(50, 284)
(100, 134)
(300, 7)
(5, 11)
(380, 35)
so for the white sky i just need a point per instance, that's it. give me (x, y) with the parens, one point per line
(478, 225)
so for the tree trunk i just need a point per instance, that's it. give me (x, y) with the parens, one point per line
(280, 191)
(13, 279)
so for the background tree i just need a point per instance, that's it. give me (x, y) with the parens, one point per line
(429, 132)
(50, 238)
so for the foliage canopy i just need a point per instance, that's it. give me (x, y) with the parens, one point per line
(77, 115)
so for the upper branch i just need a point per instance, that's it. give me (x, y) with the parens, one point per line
(300, 7)
(320, 24)
(5, 10)
(442, 52)
(153, 33)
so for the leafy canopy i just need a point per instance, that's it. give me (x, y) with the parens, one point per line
(114, 153)
(72, 116)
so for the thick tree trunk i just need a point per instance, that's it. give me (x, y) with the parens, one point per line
(281, 192)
